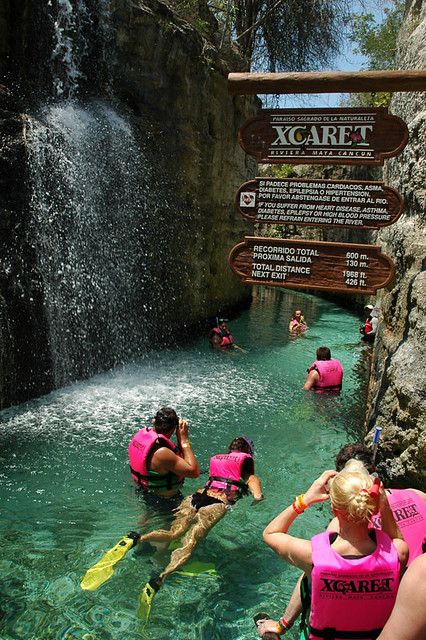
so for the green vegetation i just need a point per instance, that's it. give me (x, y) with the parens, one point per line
(377, 42)
(274, 35)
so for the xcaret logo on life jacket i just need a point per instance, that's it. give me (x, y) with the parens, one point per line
(404, 516)
(373, 585)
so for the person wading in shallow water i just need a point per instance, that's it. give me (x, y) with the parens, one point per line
(346, 570)
(231, 477)
(297, 323)
(325, 375)
(221, 338)
(408, 507)
(157, 465)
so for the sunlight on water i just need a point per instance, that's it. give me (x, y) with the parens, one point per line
(67, 494)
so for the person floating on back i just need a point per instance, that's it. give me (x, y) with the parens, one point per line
(297, 323)
(325, 375)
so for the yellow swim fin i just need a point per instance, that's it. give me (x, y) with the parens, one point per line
(146, 597)
(104, 568)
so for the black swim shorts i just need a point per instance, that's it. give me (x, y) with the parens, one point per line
(200, 500)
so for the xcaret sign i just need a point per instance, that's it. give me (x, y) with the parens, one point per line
(324, 136)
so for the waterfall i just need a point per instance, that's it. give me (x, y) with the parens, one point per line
(89, 209)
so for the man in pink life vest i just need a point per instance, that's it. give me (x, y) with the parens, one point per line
(325, 375)
(157, 465)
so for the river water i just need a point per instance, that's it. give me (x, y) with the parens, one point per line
(66, 493)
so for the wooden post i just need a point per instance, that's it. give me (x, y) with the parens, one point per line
(327, 82)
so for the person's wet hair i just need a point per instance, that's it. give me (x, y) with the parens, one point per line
(355, 451)
(165, 420)
(323, 353)
(241, 444)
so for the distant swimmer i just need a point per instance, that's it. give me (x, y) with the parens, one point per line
(369, 328)
(231, 476)
(158, 466)
(221, 338)
(325, 375)
(297, 323)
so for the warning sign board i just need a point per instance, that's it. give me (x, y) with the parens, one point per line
(347, 204)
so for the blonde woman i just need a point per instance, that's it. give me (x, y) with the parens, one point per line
(354, 574)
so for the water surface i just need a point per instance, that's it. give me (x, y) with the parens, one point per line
(66, 492)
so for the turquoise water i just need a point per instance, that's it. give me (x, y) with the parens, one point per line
(66, 493)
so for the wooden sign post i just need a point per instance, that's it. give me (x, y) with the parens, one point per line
(324, 136)
(346, 204)
(296, 264)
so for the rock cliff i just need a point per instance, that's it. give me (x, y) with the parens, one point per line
(397, 395)
(170, 80)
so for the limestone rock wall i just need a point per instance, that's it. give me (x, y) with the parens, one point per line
(171, 80)
(397, 395)
(175, 79)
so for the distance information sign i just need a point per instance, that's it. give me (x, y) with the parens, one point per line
(298, 264)
(338, 203)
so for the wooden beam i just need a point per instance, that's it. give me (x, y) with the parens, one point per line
(327, 82)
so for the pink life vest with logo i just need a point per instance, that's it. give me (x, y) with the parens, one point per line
(352, 596)
(409, 511)
(330, 375)
(225, 473)
(139, 451)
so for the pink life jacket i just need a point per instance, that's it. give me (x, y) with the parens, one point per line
(330, 373)
(225, 473)
(139, 451)
(409, 511)
(225, 340)
(352, 598)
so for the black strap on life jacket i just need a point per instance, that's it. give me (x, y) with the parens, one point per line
(242, 486)
(156, 481)
(329, 633)
(305, 597)
(334, 387)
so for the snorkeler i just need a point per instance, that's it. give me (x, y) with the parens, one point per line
(369, 328)
(409, 510)
(231, 477)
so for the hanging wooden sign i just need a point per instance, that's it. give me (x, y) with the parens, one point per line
(299, 264)
(338, 203)
(324, 136)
